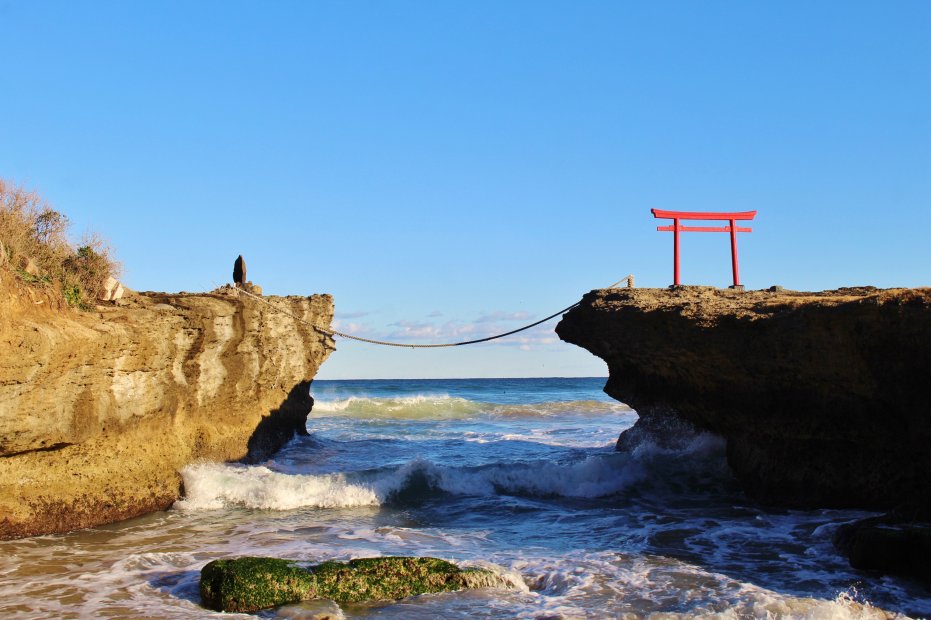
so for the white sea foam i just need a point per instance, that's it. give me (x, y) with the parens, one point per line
(210, 486)
(445, 407)
(761, 603)
(435, 407)
(597, 585)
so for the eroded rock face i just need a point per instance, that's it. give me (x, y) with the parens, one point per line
(822, 397)
(100, 410)
(251, 584)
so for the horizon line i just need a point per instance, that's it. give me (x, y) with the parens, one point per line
(460, 378)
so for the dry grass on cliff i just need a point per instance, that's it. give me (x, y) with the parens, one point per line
(34, 239)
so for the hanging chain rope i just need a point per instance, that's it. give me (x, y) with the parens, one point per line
(333, 332)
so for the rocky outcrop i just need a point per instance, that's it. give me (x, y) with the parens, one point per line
(112, 290)
(100, 410)
(251, 584)
(822, 397)
(898, 542)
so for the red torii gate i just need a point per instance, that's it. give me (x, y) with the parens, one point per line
(676, 228)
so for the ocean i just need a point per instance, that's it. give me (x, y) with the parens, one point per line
(519, 475)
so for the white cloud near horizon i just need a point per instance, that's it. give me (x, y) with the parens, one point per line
(352, 315)
(450, 331)
(498, 315)
(355, 329)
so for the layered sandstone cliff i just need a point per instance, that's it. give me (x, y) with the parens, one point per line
(100, 410)
(822, 397)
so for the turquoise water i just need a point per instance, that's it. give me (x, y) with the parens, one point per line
(519, 475)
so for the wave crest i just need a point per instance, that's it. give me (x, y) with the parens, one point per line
(403, 408)
(444, 407)
(210, 486)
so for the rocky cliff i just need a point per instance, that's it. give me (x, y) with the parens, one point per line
(822, 397)
(100, 410)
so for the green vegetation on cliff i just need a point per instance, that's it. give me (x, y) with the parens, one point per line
(250, 584)
(34, 240)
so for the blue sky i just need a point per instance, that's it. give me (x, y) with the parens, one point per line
(451, 169)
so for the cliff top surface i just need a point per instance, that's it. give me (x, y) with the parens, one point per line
(708, 303)
(40, 303)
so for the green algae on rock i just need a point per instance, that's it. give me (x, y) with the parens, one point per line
(250, 583)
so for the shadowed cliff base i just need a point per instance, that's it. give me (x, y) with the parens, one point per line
(281, 425)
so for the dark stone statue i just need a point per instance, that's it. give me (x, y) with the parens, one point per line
(239, 272)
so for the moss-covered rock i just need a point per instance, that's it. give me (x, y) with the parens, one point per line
(250, 584)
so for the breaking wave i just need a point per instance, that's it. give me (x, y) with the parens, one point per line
(210, 486)
(443, 407)
(404, 408)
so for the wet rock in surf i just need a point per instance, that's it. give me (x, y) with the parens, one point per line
(892, 543)
(252, 583)
(661, 427)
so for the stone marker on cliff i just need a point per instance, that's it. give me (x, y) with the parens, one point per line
(239, 271)
(239, 278)
(250, 584)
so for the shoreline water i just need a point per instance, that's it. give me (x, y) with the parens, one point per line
(515, 473)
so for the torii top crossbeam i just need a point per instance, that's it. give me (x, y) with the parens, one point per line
(676, 228)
